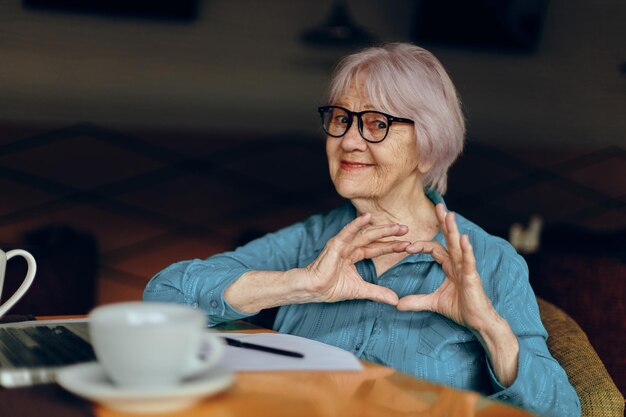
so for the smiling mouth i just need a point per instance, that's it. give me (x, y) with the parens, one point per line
(353, 166)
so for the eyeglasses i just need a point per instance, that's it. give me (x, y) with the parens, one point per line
(373, 125)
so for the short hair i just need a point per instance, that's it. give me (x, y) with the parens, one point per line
(408, 81)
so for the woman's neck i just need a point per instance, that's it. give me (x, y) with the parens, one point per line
(414, 210)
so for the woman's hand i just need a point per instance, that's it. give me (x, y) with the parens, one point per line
(460, 297)
(333, 276)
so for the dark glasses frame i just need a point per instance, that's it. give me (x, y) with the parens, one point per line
(326, 109)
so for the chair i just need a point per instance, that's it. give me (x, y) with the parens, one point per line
(568, 343)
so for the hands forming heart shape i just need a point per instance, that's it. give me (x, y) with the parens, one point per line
(461, 298)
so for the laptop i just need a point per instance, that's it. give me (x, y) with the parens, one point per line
(31, 352)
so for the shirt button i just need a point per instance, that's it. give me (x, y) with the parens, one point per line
(214, 304)
(194, 305)
(357, 347)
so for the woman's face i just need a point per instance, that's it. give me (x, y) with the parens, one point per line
(364, 170)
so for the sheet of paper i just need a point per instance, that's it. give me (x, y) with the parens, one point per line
(317, 355)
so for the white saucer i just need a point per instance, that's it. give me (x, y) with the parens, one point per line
(89, 381)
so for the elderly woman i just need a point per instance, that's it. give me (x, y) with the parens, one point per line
(392, 275)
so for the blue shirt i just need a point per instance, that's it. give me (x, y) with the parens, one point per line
(423, 344)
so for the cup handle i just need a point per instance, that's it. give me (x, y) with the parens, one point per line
(28, 280)
(210, 351)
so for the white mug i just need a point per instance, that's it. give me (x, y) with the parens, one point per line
(28, 280)
(144, 345)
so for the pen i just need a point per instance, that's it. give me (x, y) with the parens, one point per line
(246, 345)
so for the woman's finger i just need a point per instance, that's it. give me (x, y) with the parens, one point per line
(377, 249)
(376, 233)
(439, 254)
(450, 230)
(469, 260)
(416, 302)
(352, 229)
(440, 212)
(434, 248)
(376, 293)
(453, 238)
(372, 227)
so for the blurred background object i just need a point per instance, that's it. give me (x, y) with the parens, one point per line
(185, 10)
(508, 26)
(338, 30)
(67, 268)
(170, 130)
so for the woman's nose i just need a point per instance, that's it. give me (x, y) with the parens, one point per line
(353, 140)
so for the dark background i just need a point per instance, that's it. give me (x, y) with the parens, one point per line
(135, 134)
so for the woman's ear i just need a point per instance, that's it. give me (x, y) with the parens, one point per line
(424, 166)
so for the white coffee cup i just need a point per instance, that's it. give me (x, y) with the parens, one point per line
(151, 344)
(28, 279)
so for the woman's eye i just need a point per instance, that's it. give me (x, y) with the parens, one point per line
(378, 124)
(342, 119)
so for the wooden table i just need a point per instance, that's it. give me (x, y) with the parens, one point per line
(376, 391)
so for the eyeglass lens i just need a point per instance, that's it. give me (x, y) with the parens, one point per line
(372, 125)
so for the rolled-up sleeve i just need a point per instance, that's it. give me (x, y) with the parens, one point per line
(541, 385)
(200, 284)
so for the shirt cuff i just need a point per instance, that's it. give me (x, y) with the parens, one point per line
(210, 298)
(514, 393)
